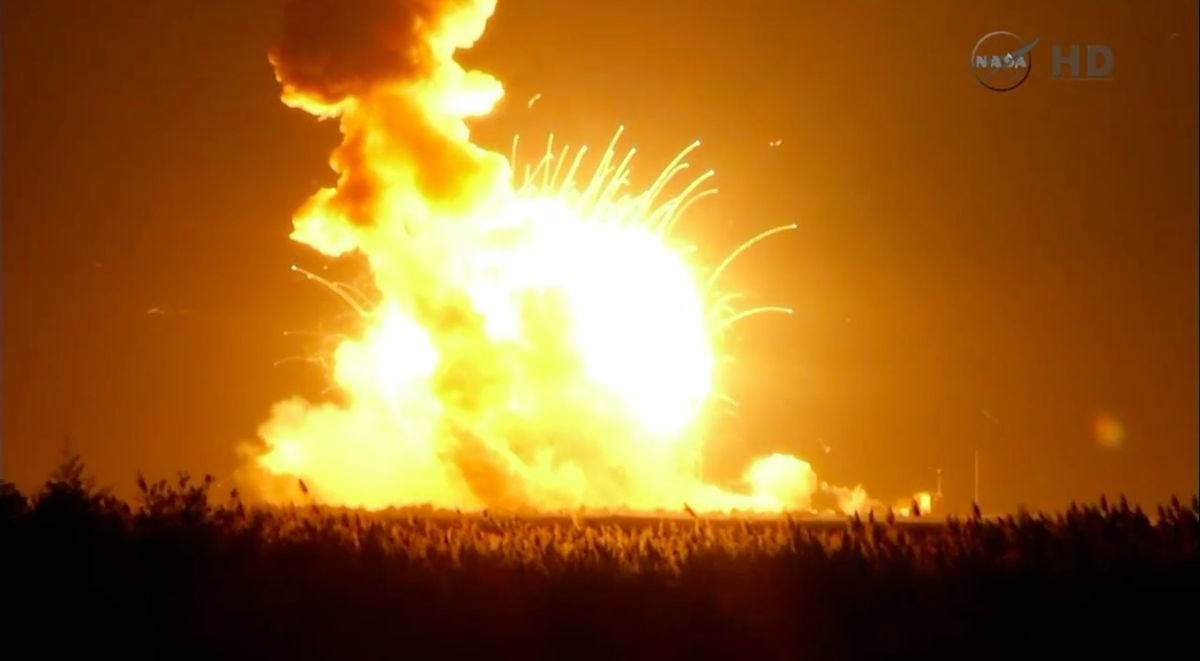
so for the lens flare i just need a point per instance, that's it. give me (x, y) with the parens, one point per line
(537, 339)
(1108, 431)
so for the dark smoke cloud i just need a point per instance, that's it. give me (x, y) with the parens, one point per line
(332, 49)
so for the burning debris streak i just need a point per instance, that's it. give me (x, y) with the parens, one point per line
(539, 339)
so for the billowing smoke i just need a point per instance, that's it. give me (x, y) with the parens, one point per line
(372, 63)
(332, 50)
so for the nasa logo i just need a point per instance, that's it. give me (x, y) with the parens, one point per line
(1001, 60)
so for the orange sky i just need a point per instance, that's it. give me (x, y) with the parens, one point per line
(1012, 272)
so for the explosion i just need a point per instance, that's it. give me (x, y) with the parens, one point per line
(536, 341)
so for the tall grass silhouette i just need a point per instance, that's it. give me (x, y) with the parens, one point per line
(174, 574)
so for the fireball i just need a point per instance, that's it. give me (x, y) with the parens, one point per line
(536, 341)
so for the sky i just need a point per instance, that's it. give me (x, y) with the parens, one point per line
(1010, 274)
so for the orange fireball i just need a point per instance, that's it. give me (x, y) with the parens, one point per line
(537, 341)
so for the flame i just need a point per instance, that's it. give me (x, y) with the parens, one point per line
(923, 502)
(538, 340)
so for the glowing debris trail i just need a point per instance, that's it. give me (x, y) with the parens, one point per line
(537, 341)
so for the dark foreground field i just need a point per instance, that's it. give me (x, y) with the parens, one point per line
(175, 577)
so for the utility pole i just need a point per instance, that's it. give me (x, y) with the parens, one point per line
(977, 477)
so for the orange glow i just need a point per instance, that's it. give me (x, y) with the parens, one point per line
(538, 341)
(1108, 431)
